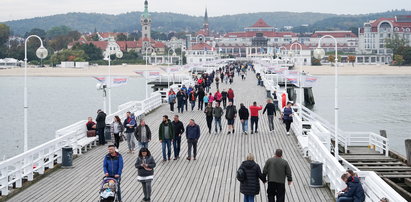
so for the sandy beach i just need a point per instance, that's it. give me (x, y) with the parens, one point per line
(129, 70)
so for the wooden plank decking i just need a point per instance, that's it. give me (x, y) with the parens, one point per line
(210, 178)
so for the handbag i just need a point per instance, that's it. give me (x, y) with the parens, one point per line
(91, 133)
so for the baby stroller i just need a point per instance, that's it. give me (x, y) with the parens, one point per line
(108, 190)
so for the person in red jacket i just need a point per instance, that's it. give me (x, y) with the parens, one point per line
(230, 95)
(254, 116)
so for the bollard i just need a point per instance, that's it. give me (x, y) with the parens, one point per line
(107, 133)
(67, 157)
(408, 151)
(316, 179)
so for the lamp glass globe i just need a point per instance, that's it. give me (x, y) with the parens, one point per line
(41, 52)
(319, 53)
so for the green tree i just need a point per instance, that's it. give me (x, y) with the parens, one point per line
(58, 31)
(39, 32)
(395, 43)
(121, 37)
(398, 60)
(90, 50)
(69, 55)
(4, 34)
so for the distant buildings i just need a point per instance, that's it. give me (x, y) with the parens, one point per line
(373, 34)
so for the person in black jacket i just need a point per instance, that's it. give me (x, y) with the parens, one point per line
(224, 95)
(200, 95)
(145, 165)
(251, 186)
(101, 124)
(181, 99)
(270, 108)
(178, 131)
(354, 192)
(244, 114)
(143, 134)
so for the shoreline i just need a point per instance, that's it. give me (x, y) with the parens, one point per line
(129, 70)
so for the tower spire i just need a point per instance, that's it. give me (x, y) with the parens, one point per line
(205, 24)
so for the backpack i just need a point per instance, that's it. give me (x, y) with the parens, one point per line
(241, 176)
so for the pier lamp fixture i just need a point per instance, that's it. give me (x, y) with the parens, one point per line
(153, 53)
(41, 53)
(168, 65)
(319, 53)
(118, 54)
(300, 80)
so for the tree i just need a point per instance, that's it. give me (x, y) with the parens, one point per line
(121, 37)
(4, 33)
(331, 58)
(398, 60)
(395, 43)
(92, 52)
(39, 32)
(58, 31)
(69, 55)
(315, 61)
(351, 59)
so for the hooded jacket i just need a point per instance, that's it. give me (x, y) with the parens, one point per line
(101, 120)
(170, 130)
(355, 190)
(243, 113)
(137, 133)
(251, 185)
(113, 165)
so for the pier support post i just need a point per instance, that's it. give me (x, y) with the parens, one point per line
(309, 96)
(383, 133)
(408, 151)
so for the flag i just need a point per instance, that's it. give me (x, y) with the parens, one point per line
(309, 81)
(174, 69)
(141, 73)
(119, 81)
(293, 72)
(100, 79)
(154, 74)
(292, 80)
(164, 69)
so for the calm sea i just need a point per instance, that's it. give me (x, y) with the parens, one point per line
(367, 103)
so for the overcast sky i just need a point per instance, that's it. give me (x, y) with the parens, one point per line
(19, 9)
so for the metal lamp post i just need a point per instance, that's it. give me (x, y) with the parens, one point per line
(319, 53)
(41, 53)
(300, 84)
(168, 65)
(118, 54)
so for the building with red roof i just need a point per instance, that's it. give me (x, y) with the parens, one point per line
(201, 52)
(373, 34)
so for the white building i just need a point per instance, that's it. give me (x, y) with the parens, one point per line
(200, 53)
(346, 40)
(373, 35)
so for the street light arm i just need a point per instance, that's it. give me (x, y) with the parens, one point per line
(25, 44)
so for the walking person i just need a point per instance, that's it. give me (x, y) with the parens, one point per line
(244, 114)
(145, 165)
(217, 82)
(200, 95)
(210, 98)
(171, 99)
(166, 136)
(130, 125)
(192, 135)
(186, 99)
(287, 116)
(224, 95)
(192, 97)
(180, 101)
(101, 124)
(251, 185)
(218, 96)
(205, 100)
(217, 114)
(209, 116)
(254, 116)
(270, 108)
(178, 132)
(230, 115)
(116, 128)
(143, 134)
(113, 167)
(230, 95)
(277, 170)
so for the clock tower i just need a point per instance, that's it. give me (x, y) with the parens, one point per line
(145, 20)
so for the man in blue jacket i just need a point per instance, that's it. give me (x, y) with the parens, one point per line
(354, 193)
(113, 167)
(192, 135)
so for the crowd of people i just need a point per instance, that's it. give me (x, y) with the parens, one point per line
(216, 106)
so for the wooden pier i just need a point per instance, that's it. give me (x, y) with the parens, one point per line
(210, 178)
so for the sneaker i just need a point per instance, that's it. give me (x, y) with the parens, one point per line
(252, 132)
(188, 158)
(233, 131)
(228, 133)
(175, 158)
(169, 158)
(288, 133)
(195, 158)
(164, 160)
(256, 131)
(245, 133)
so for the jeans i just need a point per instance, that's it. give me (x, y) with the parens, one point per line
(209, 122)
(101, 138)
(186, 103)
(193, 104)
(172, 107)
(131, 142)
(244, 125)
(180, 107)
(216, 85)
(217, 121)
(271, 122)
(192, 143)
(146, 188)
(288, 124)
(200, 103)
(345, 199)
(164, 144)
(117, 140)
(143, 145)
(248, 198)
(276, 190)
(224, 102)
(118, 189)
(254, 121)
(177, 146)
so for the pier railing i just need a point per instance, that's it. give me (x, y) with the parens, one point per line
(45, 156)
